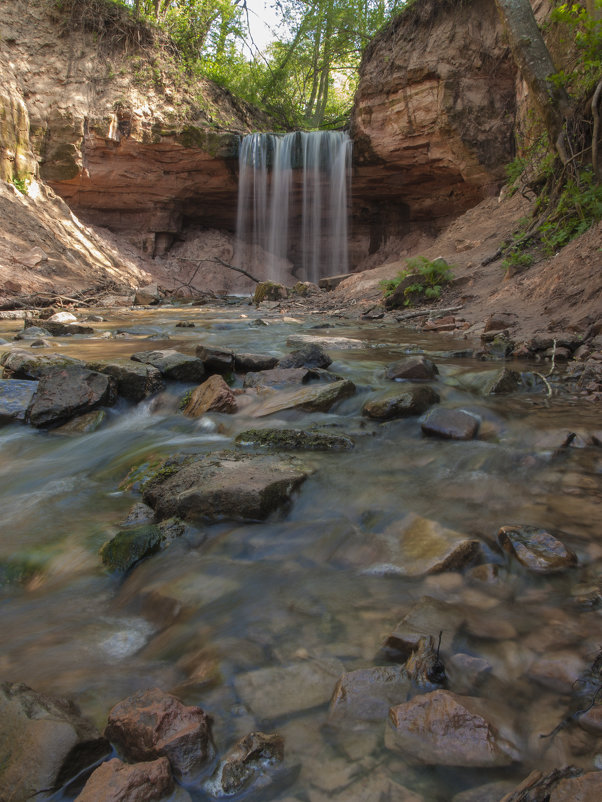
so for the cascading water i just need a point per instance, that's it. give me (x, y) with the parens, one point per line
(293, 203)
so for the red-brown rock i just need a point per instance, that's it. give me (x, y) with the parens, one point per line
(115, 781)
(212, 395)
(152, 724)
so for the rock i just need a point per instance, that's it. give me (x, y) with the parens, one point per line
(68, 392)
(40, 344)
(536, 549)
(152, 724)
(185, 324)
(273, 692)
(116, 781)
(450, 424)
(424, 666)
(83, 424)
(269, 291)
(490, 792)
(412, 547)
(57, 329)
(147, 296)
(15, 398)
(311, 355)
(20, 364)
(247, 766)
(44, 742)
(224, 486)
(500, 320)
(568, 784)
(133, 544)
(317, 398)
(213, 395)
(376, 786)
(367, 693)
(62, 317)
(173, 365)
(243, 363)
(139, 514)
(216, 360)
(135, 381)
(400, 404)
(305, 288)
(278, 377)
(413, 367)
(591, 720)
(293, 440)
(336, 343)
(442, 728)
(558, 670)
(428, 616)
(32, 333)
(489, 382)
(467, 672)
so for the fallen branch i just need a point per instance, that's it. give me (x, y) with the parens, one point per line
(217, 260)
(422, 312)
(596, 116)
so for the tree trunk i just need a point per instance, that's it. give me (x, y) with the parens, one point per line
(536, 66)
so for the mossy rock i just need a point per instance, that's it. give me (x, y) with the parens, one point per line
(269, 291)
(131, 545)
(294, 440)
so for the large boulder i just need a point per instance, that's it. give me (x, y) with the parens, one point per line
(223, 486)
(153, 724)
(216, 360)
(58, 329)
(213, 395)
(135, 381)
(450, 424)
(44, 742)
(442, 728)
(116, 781)
(413, 368)
(67, 392)
(21, 364)
(173, 365)
(15, 398)
(243, 363)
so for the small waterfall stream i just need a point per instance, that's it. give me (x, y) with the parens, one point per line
(293, 203)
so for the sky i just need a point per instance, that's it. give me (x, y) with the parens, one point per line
(261, 19)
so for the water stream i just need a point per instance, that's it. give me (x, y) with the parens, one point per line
(228, 599)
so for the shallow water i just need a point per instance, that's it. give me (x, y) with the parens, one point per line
(228, 599)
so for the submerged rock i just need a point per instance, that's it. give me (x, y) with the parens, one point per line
(400, 404)
(44, 742)
(134, 543)
(413, 367)
(15, 397)
(310, 355)
(536, 549)
(135, 381)
(442, 728)
(367, 693)
(317, 398)
(336, 343)
(427, 616)
(83, 424)
(213, 395)
(223, 486)
(450, 424)
(568, 784)
(294, 440)
(250, 766)
(68, 392)
(116, 781)
(153, 724)
(173, 365)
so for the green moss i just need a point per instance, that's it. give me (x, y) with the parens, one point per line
(294, 440)
(131, 545)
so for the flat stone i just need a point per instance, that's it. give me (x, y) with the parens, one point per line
(450, 424)
(367, 693)
(277, 377)
(152, 724)
(413, 367)
(243, 363)
(116, 781)
(216, 360)
(274, 692)
(311, 355)
(135, 381)
(57, 329)
(248, 766)
(15, 398)
(44, 742)
(400, 404)
(173, 365)
(412, 547)
(21, 364)
(293, 440)
(426, 617)
(334, 343)
(317, 398)
(67, 392)
(213, 395)
(536, 549)
(586, 788)
(442, 728)
(32, 333)
(217, 487)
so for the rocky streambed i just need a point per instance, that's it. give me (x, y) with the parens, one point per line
(293, 558)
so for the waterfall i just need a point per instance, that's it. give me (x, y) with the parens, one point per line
(293, 193)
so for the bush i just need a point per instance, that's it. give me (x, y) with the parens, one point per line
(430, 277)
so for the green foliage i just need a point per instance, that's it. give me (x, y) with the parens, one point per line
(586, 31)
(430, 276)
(22, 184)
(578, 208)
(517, 259)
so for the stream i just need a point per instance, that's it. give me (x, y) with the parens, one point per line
(226, 600)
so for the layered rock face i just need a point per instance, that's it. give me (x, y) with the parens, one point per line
(434, 113)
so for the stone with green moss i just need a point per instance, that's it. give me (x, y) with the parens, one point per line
(269, 291)
(131, 545)
(294, 440)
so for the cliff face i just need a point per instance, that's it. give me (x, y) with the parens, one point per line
(435, 109)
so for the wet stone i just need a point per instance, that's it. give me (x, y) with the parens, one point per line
(213, 395)
(413, 367)
(21, 364)
(317, 398)
(442, 728)
(490, 792)
(131, 545)
(467, 672)
(293, 440)
(135, 381)
(244, 363)
(427, 616)
(274, 692)
(398, 404)
(152, 724)
(367, 693)
(83, 424)
(15, 397)
(277, 377)
(310, 355)
(536, 549)
(32, 333)
(67, 392)
(250, 766)
(376, 786)
(58, 329)
(116, 781)
(172, 364)
(450, 424)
